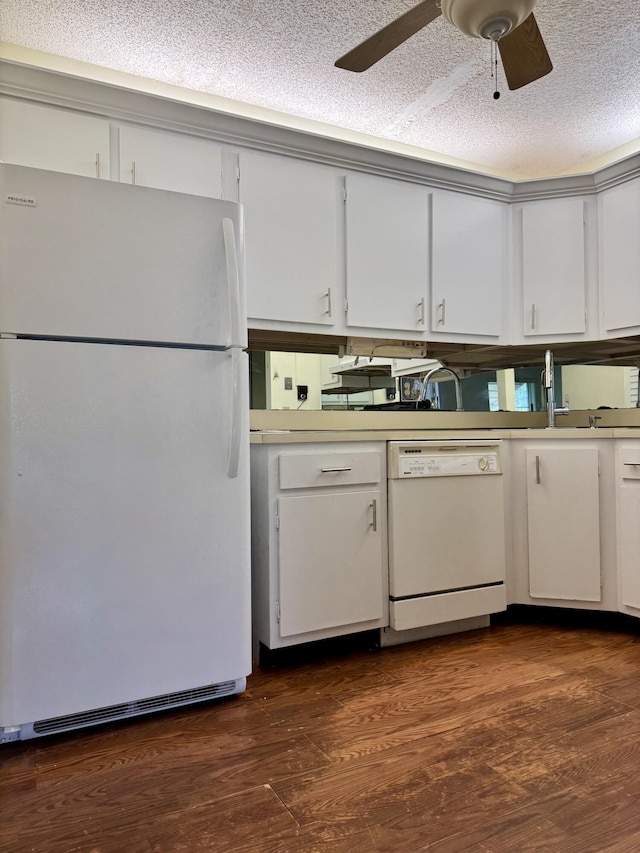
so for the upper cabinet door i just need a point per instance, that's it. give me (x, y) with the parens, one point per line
(53, 139)
(469, 264)
(387, 253)
(291, 222)
(553, 267)
(170, 161)
(620, 258)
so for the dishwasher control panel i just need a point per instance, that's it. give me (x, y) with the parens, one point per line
(432, 460)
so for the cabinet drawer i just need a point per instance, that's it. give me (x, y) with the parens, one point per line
(630, 464)
(315, 470)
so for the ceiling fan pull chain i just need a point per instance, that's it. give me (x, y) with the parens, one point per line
(494, 60)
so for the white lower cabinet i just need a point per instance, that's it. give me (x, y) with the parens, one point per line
(563, 524)
(628, 525)
(319, 541)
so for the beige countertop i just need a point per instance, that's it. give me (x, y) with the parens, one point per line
(286, 427)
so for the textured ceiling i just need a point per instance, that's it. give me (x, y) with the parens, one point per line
(433, 92)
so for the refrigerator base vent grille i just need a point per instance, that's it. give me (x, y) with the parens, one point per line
(133, 709)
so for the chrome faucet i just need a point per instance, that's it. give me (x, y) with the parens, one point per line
(547, 375)
(456, 382)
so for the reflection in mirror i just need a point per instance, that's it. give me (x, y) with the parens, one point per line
(389, 384)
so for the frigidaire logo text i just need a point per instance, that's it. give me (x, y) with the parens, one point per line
(28, 200)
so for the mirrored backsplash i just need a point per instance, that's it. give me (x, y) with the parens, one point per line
(311, 382)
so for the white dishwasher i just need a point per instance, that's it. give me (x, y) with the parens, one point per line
(446, 531)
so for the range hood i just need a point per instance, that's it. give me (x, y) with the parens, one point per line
(360, 373)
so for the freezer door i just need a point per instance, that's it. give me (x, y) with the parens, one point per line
(99, 259)
(124, 544)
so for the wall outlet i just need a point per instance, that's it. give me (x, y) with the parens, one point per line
(303, 392)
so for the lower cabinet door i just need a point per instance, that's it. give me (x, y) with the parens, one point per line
(330, 560)
(563, 514)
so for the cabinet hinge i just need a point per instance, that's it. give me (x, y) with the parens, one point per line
(238, 173)
(277, 521)
(346, 306)
(277, 611)
(344, 194)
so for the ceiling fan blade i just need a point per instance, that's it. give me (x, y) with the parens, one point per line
(385, 40)
(524, 56)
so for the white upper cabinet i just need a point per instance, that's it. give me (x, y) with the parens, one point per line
(291, 222)
(620, 258)
(553, 268)
(170, 161)
(387, 254)
(53, 139)
(469, 265)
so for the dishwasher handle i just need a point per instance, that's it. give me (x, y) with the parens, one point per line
(333, 470)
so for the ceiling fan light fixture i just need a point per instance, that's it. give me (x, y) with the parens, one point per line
(488, 19)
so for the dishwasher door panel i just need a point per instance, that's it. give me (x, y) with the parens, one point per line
(445, 533)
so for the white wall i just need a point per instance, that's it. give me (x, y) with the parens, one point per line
(302, 369)
(591, 386)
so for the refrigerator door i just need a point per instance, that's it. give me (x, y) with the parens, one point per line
(99, 259)
(124, 544)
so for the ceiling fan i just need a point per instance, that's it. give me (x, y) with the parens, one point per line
(509, 23)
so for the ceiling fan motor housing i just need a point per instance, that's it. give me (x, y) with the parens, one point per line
(488, 19)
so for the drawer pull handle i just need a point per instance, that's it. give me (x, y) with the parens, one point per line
(332, 470)
(538, 470)
(374, 520)
(632, 464)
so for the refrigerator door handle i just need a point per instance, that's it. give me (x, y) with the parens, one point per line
(233, 281)
(235, 432)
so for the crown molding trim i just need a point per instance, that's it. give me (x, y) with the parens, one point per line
(116, 103)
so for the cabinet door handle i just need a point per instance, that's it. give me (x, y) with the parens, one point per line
(442, 308)
(374, 520)
(533, 315)
(332, 470)
(328, 298)
(133, 171)
(538, 470)
(632, 464)
(421, 311)
(97, 164)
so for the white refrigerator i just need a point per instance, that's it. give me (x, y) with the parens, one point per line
(124, 481)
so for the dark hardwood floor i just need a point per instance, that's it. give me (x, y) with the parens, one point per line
(520, 737)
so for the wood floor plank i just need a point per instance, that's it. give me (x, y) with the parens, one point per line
(406, 714)
(383, 786)
(550, 762)
(592, 827)
(221, 825)
(625, 690)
